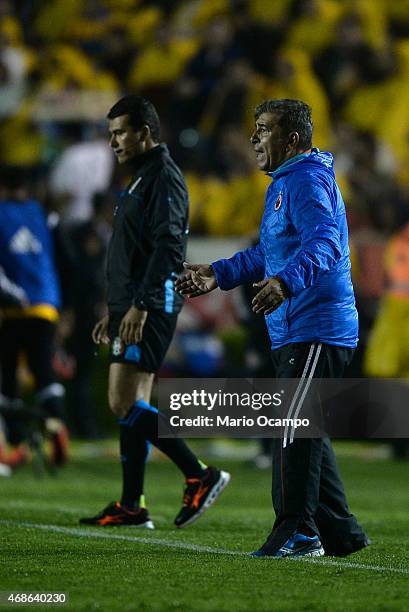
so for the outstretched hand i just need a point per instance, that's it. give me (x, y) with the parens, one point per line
(272, 294)
(198, 279)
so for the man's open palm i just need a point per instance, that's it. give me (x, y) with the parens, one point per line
(198, 279)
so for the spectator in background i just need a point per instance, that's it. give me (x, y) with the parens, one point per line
(257, 40)
(374, 192)
(117, 53)
(203, 72)
(381, 106)
(26, 255)
(291, 76)
(346, 62)
(227, 103)
(229, 186)
(13, 74)
(83, 169)
(158, 66)
(311, 24)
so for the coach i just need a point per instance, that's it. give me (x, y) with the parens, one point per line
(301, 267)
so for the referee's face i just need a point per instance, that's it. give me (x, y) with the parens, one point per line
(125, 141)
(269, 143)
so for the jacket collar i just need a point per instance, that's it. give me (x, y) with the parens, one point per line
(155, 153)
(292, 160)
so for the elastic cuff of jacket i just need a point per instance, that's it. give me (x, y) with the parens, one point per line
(285, 280)
(220, 270)
(284, 286)
(140, 305)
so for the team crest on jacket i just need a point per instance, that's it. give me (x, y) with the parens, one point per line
(116, 347)
(278, 201)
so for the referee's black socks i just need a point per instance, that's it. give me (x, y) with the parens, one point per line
(139, 426)
(134, 449)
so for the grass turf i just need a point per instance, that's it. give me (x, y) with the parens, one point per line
(115, 573)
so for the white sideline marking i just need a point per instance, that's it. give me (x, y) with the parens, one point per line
(88, 533)
(113, 536)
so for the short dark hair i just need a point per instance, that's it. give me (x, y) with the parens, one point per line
(295, 116)
(141, 112)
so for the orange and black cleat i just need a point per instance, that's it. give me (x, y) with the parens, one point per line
(115, 515)
(200, 494)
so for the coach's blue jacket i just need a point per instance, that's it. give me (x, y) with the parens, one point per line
(304, 241)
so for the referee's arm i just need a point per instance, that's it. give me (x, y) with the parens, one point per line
(167, 225)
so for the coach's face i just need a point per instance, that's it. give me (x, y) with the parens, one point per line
(125, 140)
(271, 146)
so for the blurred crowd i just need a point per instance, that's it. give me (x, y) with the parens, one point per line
(206, 64)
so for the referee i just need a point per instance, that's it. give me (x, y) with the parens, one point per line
(301, 269)
(145, 256)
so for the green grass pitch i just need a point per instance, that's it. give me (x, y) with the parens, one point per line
(43, 549)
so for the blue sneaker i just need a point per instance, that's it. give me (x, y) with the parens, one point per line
(299, 545)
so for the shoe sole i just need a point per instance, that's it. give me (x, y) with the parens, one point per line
(147, 525)
(214, 493)
(317, 552)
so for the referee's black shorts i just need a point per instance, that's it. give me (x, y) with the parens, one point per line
(150, 352)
